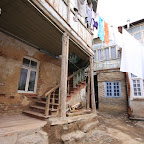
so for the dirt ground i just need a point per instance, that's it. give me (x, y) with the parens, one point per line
(116, 129)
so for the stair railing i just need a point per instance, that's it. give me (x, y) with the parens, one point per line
(76, 78)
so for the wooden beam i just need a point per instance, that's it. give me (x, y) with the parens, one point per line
(64, 75)
(88, 89)
(92, 86)
(47, 105)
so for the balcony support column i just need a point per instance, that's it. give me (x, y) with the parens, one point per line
(88, 89)
(92, 85)
(64, 75)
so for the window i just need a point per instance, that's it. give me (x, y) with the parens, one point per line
(113, 89)
(95, 56)
(28, 76)
(100, 58)
(113, 52)
(137, 86)
(138, 33)
(106, 52)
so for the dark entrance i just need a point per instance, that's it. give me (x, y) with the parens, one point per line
(96, 91)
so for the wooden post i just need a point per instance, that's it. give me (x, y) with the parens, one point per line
(47, 105)
(68, 88)
(92, 86)
(64, 75)
(88, 89)
(68, 11)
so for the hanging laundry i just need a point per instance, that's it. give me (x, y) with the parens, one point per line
(101, 29)
(89, 15)
(94, 3)
(118, 38)
(111, 33)
(94, 21)
(82, 7)
(132, 60)
(106, 31)
(94, 24)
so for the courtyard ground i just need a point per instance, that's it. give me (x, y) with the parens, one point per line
(116, 129)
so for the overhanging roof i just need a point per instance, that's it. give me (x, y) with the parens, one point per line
(21, 19)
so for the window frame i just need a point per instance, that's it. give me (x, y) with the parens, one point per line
(28, 76)
(112, 84)
(132, 87)
(96, 58)
(141, 30)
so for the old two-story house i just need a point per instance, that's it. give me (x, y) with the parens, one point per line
(136, 84)
(43, 55)
(110, 83)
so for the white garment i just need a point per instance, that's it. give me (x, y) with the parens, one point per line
(118, 37)
(82, 7)
(131, 60)
(96, 19)
(111, 33)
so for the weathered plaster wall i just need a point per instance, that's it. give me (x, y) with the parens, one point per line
(12, 52)
(138, 108)
(116, 105)
(78, 96)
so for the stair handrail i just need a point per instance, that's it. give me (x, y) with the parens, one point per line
(58, 85)
(48, 94)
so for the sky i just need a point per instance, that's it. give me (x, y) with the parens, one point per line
(117, 12)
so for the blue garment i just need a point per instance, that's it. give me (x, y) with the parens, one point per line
(101, 29)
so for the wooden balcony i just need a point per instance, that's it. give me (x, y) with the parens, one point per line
(63, 16)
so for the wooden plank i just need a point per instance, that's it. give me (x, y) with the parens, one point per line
(88, 89)
(92, 86)
(47, 106)
(53, 89)
(64, 74)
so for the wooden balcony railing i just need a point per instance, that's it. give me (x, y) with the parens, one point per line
(53, 95)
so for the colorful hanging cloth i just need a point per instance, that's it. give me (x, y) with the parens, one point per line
(106, 31)
(101, 29)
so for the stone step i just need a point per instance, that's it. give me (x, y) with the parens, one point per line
(37, 114)
(73, 137)
(90, 126)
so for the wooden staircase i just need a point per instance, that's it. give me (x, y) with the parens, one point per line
(48, 104)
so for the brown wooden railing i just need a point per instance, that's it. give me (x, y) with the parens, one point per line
(53, 95)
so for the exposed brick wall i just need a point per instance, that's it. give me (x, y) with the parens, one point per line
(117, 105)
(12, 52)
